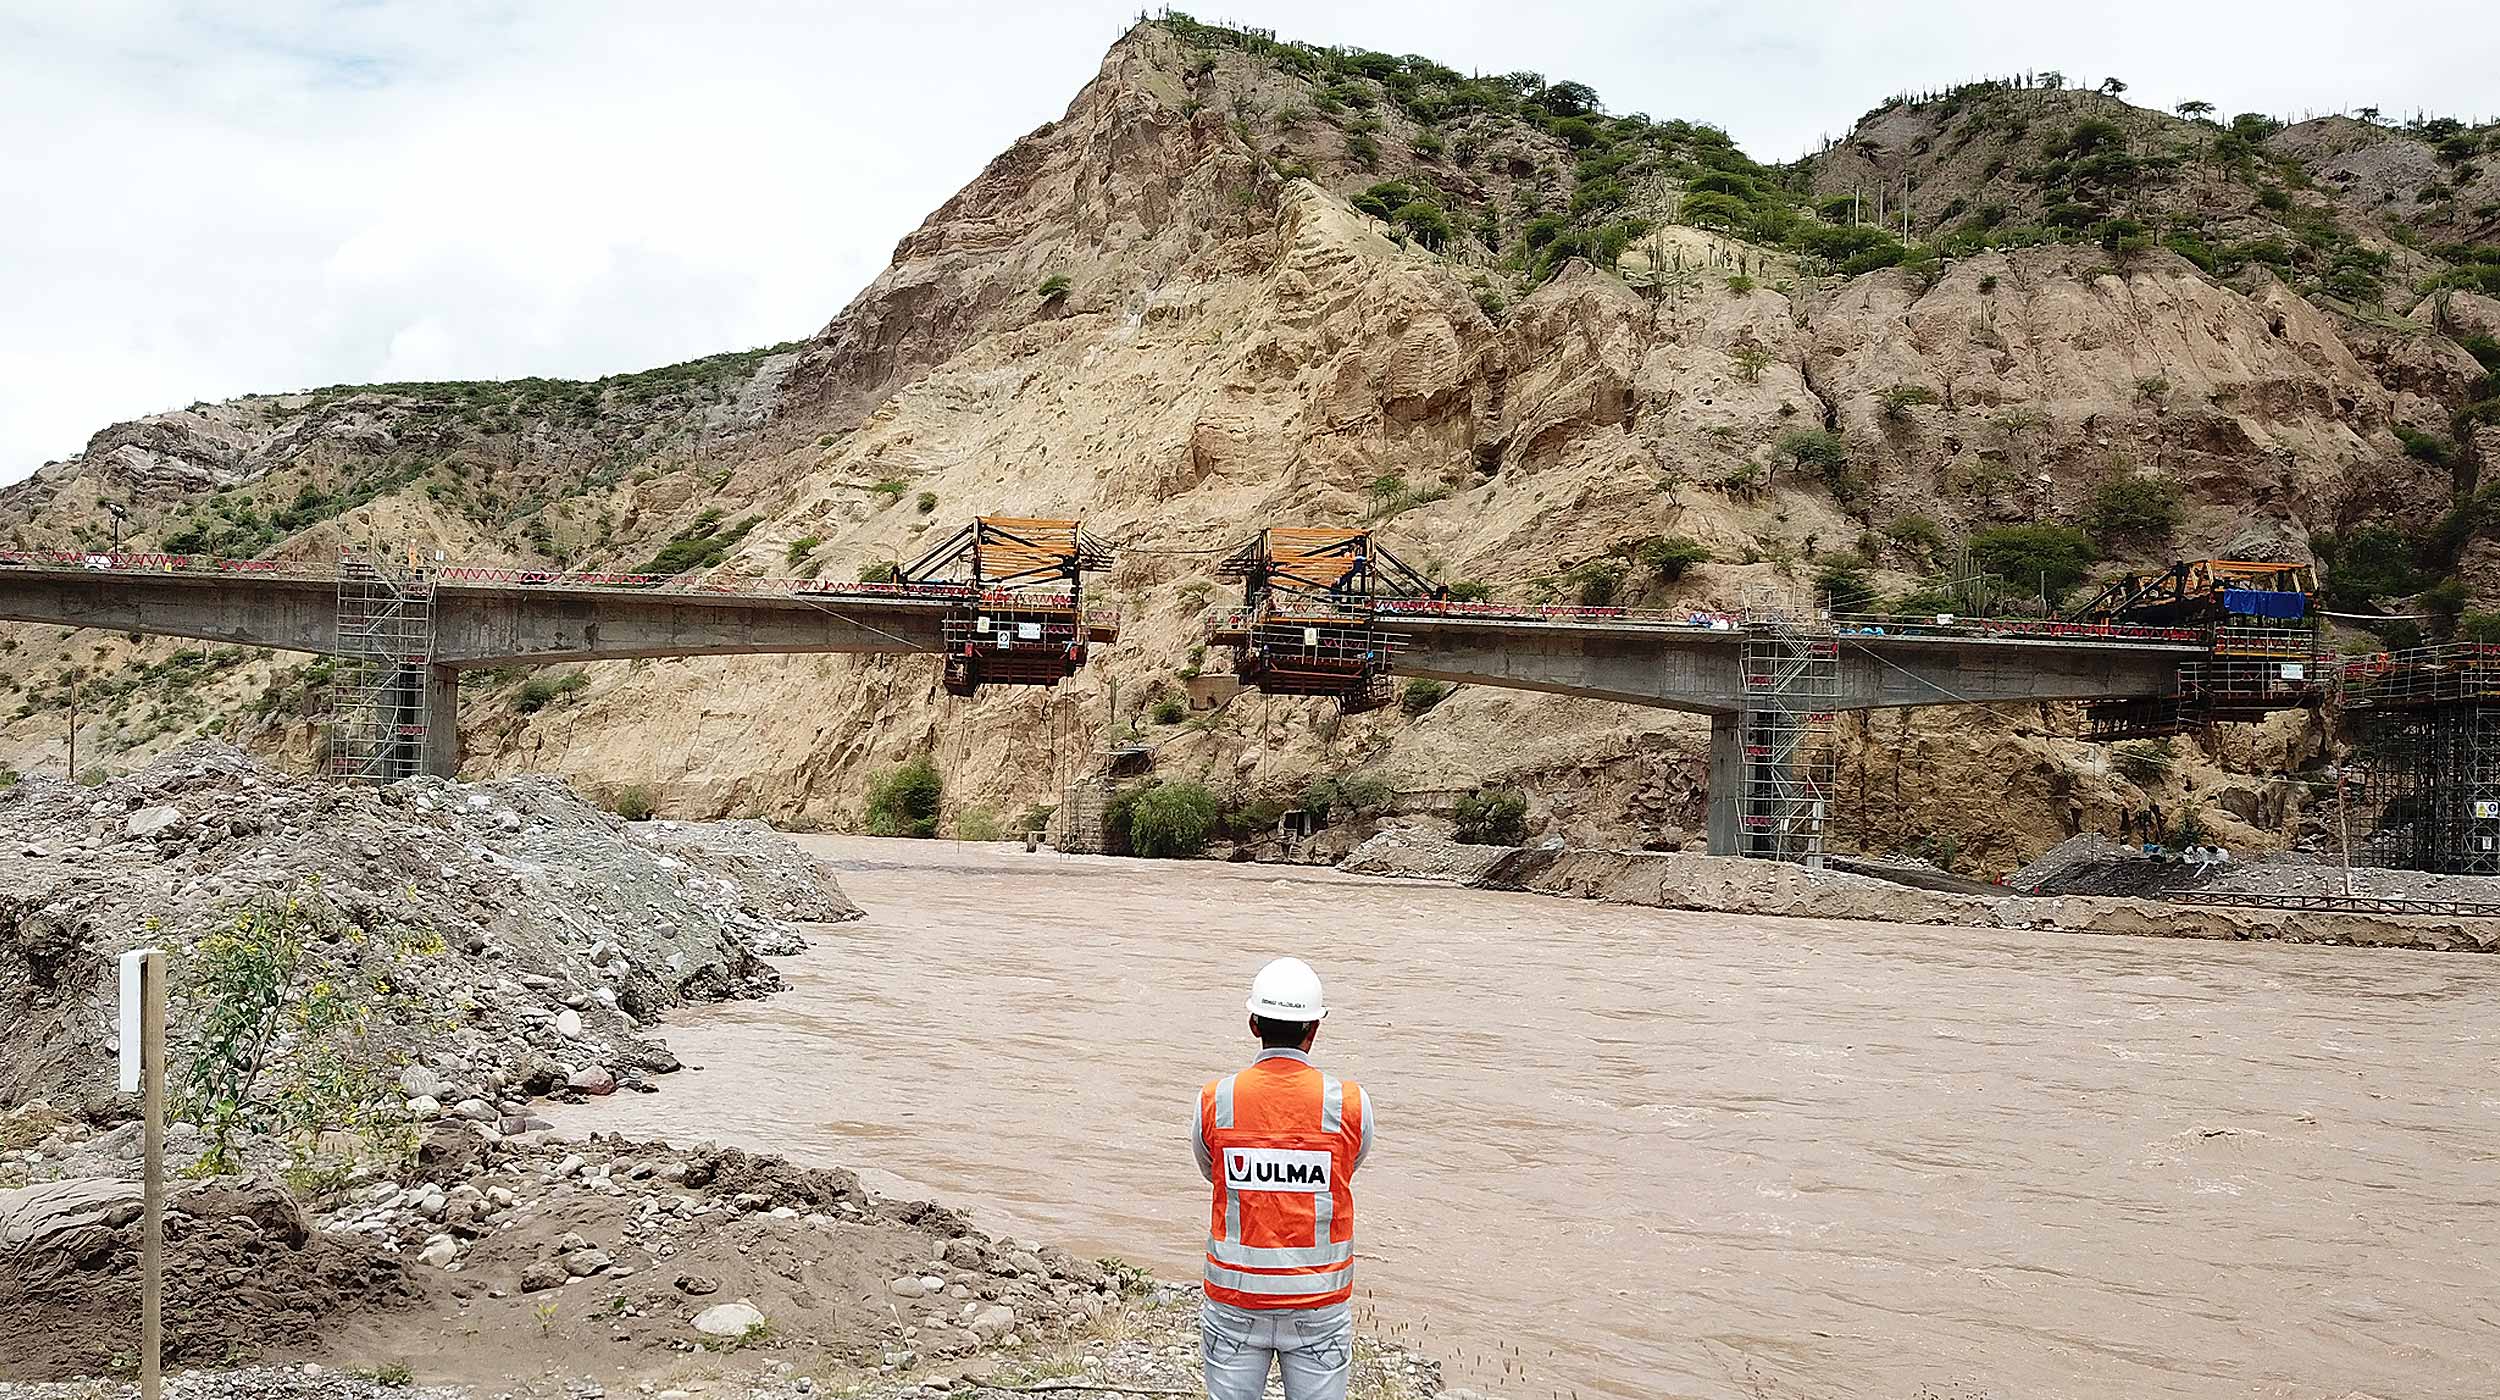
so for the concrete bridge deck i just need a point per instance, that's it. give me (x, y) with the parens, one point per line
(1634, 660)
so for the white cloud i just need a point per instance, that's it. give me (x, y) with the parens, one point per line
(200, 203)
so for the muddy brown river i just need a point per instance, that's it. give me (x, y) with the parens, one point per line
(1626, 1152)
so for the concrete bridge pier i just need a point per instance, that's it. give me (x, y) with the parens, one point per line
(1726, 782)
(441, 756)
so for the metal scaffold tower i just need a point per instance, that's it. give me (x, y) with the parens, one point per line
(1792, 685)
(384, 643)
(2428, 723)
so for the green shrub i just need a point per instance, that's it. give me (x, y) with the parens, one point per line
(2425, 447)
(1598, 583)
(802, 547)
(1425, 223)
(1420, 695)
(2134, 507)
(1492, 817)
(1813, 449)
(634, 804)
(926, 503)
(1671, 556)
(2445, 602)
(1053, 287)
(2049, 558)
(2400, 634)
(285, 973)
(539, 692)
(1917, 534)
(903, 801)
(881, 571)
(94, 776)
(702, 545)
(2142, 762)
(1170, 710)
(2366, 563)
(1352, 796)
(1468, 590)
(2479, 626)
(1844, 585)
(1172, 820)
(1896, 400)
(978, 823)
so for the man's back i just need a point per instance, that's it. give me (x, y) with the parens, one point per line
(1279, 1143)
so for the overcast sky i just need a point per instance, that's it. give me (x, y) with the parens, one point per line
(199, 200)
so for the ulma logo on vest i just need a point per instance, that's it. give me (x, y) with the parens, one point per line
(1275, 1169)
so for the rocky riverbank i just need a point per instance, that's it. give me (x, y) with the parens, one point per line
(1725, 885)
(537, 1267)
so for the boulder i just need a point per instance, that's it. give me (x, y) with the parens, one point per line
(728, 1320)
(150, 821)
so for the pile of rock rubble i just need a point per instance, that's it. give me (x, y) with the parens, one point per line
(562, 930)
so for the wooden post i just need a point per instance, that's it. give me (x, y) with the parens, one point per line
(143, 1032)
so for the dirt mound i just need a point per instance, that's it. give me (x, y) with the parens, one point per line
(561, 930)
(244, 1272)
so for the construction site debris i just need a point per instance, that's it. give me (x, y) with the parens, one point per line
(562, 931)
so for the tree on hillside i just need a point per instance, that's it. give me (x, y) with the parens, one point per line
(2113, 87)
(2194, 110)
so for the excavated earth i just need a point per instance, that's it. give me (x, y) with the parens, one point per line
(550, 931)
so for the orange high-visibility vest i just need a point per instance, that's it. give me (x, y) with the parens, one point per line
(1284, 1139)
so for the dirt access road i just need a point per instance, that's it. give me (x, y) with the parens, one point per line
(1640, 1153)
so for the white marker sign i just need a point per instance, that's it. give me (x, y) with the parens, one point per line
(134, 964)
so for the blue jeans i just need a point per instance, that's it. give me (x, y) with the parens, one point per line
(1313, 1346)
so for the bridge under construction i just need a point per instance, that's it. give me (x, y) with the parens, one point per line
(1329, 613)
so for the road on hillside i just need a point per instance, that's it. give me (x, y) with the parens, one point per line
(1630, 1152)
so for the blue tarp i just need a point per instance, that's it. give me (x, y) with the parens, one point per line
(2265, 602)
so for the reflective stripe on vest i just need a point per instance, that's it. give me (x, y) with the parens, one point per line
(1278, 1135)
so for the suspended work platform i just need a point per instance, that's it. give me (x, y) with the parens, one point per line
(2257, 618)
(1021, 619)
(1309, 620)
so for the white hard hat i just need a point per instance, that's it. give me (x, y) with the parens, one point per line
(1287, 990)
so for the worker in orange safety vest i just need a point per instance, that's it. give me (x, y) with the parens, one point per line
(1280, 1142)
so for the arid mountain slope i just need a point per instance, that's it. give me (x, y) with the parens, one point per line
(1307, 286)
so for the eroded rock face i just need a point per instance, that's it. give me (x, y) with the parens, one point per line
(1237, 346)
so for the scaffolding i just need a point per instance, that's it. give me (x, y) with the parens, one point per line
(380, 652)
(1309, 620)
(2427, 743)
(1792, 687)
(1022, 620)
